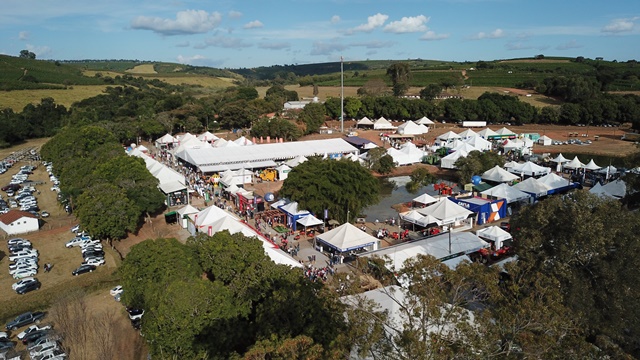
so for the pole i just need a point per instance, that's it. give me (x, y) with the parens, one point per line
(341, 94)
(449, 239)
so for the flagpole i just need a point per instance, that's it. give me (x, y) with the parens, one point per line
(341, 94)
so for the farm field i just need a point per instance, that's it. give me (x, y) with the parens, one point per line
(18, 99)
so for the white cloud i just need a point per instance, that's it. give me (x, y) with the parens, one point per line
(374, 21)
(432, 36)
(409, 24)
(235, 14)
(189, 59)
(323, 48)
(226, 42)
(572, 44)
(620, 25)
(186, 22)
(274, 45)
(375, 44)
(199, 60)
(335, 19)
(495, 34)
(40, 51)
(253, 24)
(23, 35)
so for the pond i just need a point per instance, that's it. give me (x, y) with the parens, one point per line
(393, 191)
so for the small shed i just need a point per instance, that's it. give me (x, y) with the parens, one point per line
(18, 222)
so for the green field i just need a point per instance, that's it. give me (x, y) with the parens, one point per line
(18, 73)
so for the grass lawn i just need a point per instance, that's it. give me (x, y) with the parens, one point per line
(18, 99)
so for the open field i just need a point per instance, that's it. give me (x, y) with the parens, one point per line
(18, 99)
(142, 69)
(535, 61)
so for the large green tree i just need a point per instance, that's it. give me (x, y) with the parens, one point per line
(400, 75)
(341, 186)
(379, 161)
(276, 128)
(313, 116)
(476, 163)
(106, 211)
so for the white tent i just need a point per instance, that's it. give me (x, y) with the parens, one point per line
(166, 139)
(510, 165)
(425, 199)
(533, 186)
(479, 143)
(219, 143)
(573, 164)
(506, 192)
(279, 203)
(209, 215)
(365, 121)
(467, 134)
(505, 132)
(309, 220)
(544, 140)
(465, 147)
(411, 216)
(283, 171)
(449, 161)
(591, 166)
(560, 159)
(411, 128)
(383, 124)
(495, 234)
(530, 169)
(347, 237)
(615, 189)
(143, 148)
(207, 136)
(608, 170)
(498, 174)
(407, 154)
(369, 146)
(296, 161)
(487, 133)
(424, 121)
(554, 181)
(243, 141)
(448, 137)
(446, 211)
(512, 145)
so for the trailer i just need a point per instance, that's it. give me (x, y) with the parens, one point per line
(474, 124)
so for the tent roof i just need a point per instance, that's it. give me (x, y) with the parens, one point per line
(283, 167)
(486, 133)
(554, 181)
(411, 216)
(615, 189)
(279, 203)
(544, 138)
(449, 135)
(498, 174)
(504, 132)
(207, 136)
(465, 147)
(479, 143)
(346, 237)
(446, 211)
(383, 123)
(364, 121)
(611, 169)
(309, 220)
(494, 233)
(506, 192)
(209, 215)
(188, 209)
(425, 199)
(296, 161)
(292, 208)
(533, 186)
(166, 139)
(560, 159)
(424, 121)
(468, 133)
(410, 127)
(574, 164)
(530, 168)
(591, 166)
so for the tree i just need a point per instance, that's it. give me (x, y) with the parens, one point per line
(106, 212)
(275, 128)
(26, 54)
(352, 106)
(588, 244)
(400, 74)
(340, 186)
(313, 116)
(237, 115)
(374, 87)
(476, 163)
(420, 177)
(430, 92)
(379, 161)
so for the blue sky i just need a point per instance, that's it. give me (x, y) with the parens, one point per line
(231, 34)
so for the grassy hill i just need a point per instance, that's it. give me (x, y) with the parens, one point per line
(18, 73)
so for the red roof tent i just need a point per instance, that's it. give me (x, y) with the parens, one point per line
(14, 215)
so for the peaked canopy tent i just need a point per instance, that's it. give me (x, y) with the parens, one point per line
(560, 159)
(383, 124)
(296, 161)
(448, 137)
(309, 220)
(411, 128)
(479, 143)
(424, 121)
(364, 122)
(573, 164)
(530, 169)
(507, 192)
(446, 211)
(449, 161)
(544, 140)
(283, 171)
(347, 237)
(505, 133)
(465, 147)
(424, 199)
(242, 141)
(467, 134)
(608, 170)
(591, 165)
(494, 234)
(207, 136)
(498, 175)
(407, 154)
(293, 214)
(165, 140)
(534, 187)
(616, 189)
(557, 183)
(488, 134)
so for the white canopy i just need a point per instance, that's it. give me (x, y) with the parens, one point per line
(243, 141)
(425, 199)
(143, 148)
(296, 161)
(510, 164)
(591, 166)
(209, 215)
(560, 159)
(347, 237)
(505, 132)
(166, 139)
(468, 134)
(411, 216)
(533, 186)
(292, 208)
(383, 124)
(309, 220)
(544, 140)
(498, 174)
(554, 181)
(407, 154)
(365, 121)
(411, 128)
(530, 169)
(495, 234)
(207, 136)
(446, 211)
(448, 136)
(369, 146)
(187, 210)
(616, 189)
(573, 164)
(449, 161)
(506, 192)
(465, 147)
(424, 121)
(479, 143)
(609, 169)
(487, 133)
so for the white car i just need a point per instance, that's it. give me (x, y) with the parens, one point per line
(116, 290)
(75, 229)
(3, 335)
(43, 349)
(77, 241)
(23, 267)
(25, 273)
(31, 329)
(23, 255)
(18, 241)
(93, 261)
(23, 282)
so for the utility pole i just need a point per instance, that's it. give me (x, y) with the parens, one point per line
(341, 94)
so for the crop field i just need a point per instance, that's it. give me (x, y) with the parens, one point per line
(18, 99)
(13, 69)
(142, 69)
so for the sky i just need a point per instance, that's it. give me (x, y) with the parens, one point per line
(251, 33)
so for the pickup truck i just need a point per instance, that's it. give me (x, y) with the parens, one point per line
(25, 319)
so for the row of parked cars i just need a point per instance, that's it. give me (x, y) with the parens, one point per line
(91, 249)
(52, 177)
(21, 195)
(24, 265)
(41, 342)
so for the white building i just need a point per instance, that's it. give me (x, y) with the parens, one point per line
(18, 222)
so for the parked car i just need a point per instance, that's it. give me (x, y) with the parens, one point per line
(31, 329)
(19, 247)
(76, 241)
(95, 253)
(4, 336)
(44, 348)
(57, 354)
(23, 254)
(75, 229)
(83, 269)
(23, 267)
(135, 314)
(6, 344)
(24, 273)
(41, 341)
(16, 241)
(25, 319)
(35, 335)
(116, 290)
(21, 262)
(23, 282)
(93, 261)
(27, 288)
(45, 214)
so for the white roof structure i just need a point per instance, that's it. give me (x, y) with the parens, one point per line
(169, 180)
(544, 140)
(436, 246)
(448, 136)
(220, 142)
(560, 159)
(347, 237)
(166, 139)
(446, 211)
(449, 161)
(479, 143)
(209, 215)
(365, 121)
(424, 121)
(292, 208)
(411, 216)
(407, 154)
(533, 186)
(187, 210)
(616, 189)
(510, 164)
(242, 141)
(207, 136)
(573, 164)
(188, 141)
(261, 155)
(279, 203)
(411, 128)
(465, 147)
(383, 124)
(309, 220)
(296, 161)
(468, 134)
(609, 169)
(425, 199)
(530, 169)
(554, 181)
(512, 145)
(498, 174)
(487, 133)
(591, 166)
(143, 148)
(495, 234)
(506, 192)
(505, 132)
